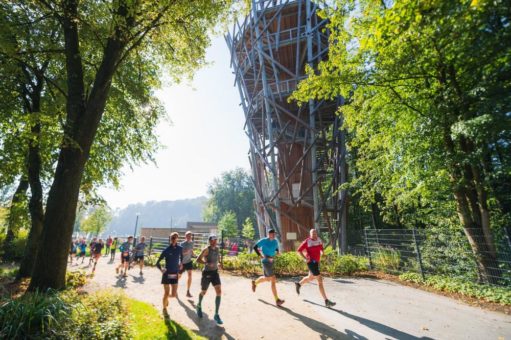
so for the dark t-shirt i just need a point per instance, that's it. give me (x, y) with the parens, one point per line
(173, 256)
(98, 247)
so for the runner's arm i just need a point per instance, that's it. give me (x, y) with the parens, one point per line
(201, 256)
(300, 250)
(256, 249)
(162, 255)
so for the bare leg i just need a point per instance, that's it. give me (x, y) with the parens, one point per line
(189, 282)
(166, 293)
(321, 288)
(274, 287)
(174, 290)
(307, 278)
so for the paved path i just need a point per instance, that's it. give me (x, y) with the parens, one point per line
(366, 309)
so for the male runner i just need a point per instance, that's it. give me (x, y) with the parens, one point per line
(113, 248)
(125, 256)
(313, 247)
(108, 245)
(187, 260)
(269, 247)
(139, 253)
(83, 249)
(73, 250)
(209, 257)
(173, 256)
(92, 244)
(96, 253)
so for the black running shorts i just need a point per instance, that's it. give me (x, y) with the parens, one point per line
(169, 278)
(313, 268)
(186, 266)
(139, 257)
(210, 276)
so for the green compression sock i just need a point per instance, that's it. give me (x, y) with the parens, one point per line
(217, 304)
(200, 300)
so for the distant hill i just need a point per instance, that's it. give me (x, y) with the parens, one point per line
(156, 214)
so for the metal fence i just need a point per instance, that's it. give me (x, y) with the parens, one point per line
(438, 252)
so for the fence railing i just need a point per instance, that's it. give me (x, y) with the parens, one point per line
(436, 252)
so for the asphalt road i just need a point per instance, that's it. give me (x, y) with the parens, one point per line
(366, 309)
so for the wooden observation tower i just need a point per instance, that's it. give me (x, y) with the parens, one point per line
(296, 153)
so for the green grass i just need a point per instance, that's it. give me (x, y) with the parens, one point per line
(148, 323)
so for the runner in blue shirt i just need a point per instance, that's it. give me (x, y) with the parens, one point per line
(267, 248)
(173, 256)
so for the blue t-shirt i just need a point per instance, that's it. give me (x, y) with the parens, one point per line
(268, 247)
(173, 256)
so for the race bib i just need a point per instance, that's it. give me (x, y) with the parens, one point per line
(172, 276)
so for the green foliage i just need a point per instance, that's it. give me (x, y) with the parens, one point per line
(34, 315)
(228, 225)
(386, 259)
(426, 108)
(75, 279)
(57, 315)
(248, 230)
(97, 221)
(292, 264)
(233, 192)
(489, 293)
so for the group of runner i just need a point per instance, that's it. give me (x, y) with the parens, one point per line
(179, 256)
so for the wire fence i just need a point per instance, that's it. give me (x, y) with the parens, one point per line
(440, 252)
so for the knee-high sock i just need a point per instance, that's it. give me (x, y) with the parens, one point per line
(217, 304)
(200, 300)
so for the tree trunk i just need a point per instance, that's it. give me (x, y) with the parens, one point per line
(13, 219)
(81, 127)
(36, 199)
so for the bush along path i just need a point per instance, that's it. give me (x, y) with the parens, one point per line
(374, 309)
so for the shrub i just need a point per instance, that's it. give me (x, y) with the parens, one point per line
(58, 315)
(386, 259)
(489, 293)
(34, 315)
(75, 279)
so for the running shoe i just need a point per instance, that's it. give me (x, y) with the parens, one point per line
(279, 302)
(218, 320)
(298, 286)
(253, 286)
(329, 303)
(188, 294)
(199, 312)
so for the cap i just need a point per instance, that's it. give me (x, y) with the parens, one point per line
(271, 231)
(212, 237)
(188, 232)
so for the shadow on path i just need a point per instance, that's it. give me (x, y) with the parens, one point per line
(138, 279)
(121, 282)
(343, 281)
(206, 326)
(319, 327)
(380, 328)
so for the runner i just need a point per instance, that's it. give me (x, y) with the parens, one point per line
(72, 251)
(173, 256)
(210, 257)
(187, 260)
(313, 246)
(125, 257)
(113, 248)
(83, 249)
(92, 244)
(139, 253)
(108, 245)
(269, 247)
(96, 251)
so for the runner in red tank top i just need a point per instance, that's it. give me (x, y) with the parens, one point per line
(313, 247)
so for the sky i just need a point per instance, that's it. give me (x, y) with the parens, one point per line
(204, 137)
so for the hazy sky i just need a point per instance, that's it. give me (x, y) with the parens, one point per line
(205, 137)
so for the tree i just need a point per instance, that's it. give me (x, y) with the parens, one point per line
(31, 62)
(228, 225)
(233, 192)
(248, 230)
(97, 38)
(96, 222)
(427, 108)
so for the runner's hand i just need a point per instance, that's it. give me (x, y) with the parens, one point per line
(163, 271)
(220, 266)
